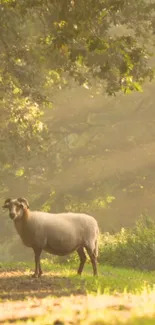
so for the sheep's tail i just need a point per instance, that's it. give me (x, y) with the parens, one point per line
(96, 249)
(96, 243)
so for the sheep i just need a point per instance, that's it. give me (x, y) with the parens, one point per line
(58, 234)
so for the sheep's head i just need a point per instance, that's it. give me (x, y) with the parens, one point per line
(16, 207)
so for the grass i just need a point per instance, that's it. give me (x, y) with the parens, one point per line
(117, 296)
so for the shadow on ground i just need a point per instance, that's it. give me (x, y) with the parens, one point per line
(16, 286)
(16, 282)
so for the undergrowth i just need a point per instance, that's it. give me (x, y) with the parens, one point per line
(130, 248)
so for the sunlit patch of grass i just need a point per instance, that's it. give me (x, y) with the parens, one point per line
(116, 296)
(110, 280)
(93, 310)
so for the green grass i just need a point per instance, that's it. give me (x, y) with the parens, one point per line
(110, 279)
(117, 296)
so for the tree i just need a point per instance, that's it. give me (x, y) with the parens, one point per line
(45, 45)
(43, 40)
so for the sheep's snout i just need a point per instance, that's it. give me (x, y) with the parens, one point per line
(12, 215)
(13, 211)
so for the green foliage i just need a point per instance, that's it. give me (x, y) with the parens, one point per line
(68, 40)
(45, 47)
(77, 42)
(133, 248)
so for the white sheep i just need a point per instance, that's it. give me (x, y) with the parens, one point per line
(56, 233)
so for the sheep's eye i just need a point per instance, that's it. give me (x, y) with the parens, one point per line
(18, 206)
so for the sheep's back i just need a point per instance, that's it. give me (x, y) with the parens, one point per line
(63, 232)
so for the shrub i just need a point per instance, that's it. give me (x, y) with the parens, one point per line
(130, 247)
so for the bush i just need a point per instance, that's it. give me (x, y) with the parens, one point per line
(130, 247)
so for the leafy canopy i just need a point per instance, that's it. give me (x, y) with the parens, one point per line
(45, 45)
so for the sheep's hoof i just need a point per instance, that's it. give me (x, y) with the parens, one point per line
(40, 274)
(34, 275)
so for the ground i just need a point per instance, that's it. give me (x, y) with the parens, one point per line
(117, 296)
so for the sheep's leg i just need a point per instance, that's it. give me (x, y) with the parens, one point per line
(82, 257)
(38, 271)
(93, 259)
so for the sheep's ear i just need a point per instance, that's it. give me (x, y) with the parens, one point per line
(22, 205)
(23, 200)
(6, 203)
